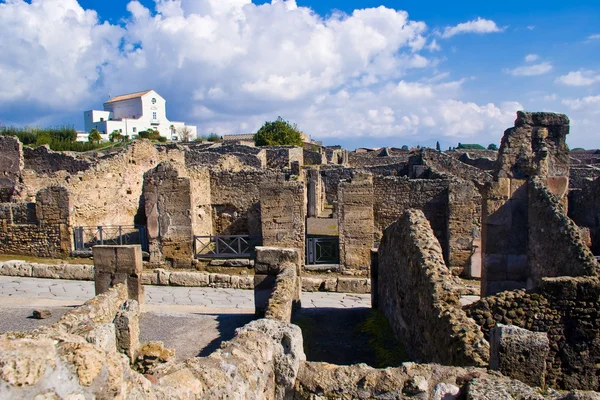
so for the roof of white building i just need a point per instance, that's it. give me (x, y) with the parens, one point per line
(128, 96)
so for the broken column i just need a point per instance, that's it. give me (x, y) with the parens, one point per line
(119, 264)
(519, 353)
(314, 184)
(168, 206)
(535, 146)
(356, 221)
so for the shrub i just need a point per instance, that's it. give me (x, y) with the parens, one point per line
(278, 133)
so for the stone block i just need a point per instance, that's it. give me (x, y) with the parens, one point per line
(163, 276)
(311, 284)
(330, 284)
(129, 259)
(352, 285)
(220, 279)
(269, 260)
(196, 279)
(78, 272)
(246, 282)
(105, 260)
(15, 268)
(519, 353)
(149, 278)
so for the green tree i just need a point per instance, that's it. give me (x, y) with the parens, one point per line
(115, 136)
(437, 146)
(278, 133)
(94, 136)
(492, 146)
(404, 147)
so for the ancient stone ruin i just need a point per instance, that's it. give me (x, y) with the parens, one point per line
(484, 265)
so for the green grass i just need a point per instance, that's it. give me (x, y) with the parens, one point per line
(389, 351)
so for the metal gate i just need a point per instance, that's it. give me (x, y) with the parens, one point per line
(322, 250)
(225, 246)
(88, 236)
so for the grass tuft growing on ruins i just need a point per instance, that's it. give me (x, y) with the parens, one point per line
(389, 351)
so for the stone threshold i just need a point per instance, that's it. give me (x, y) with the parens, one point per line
(163, 277)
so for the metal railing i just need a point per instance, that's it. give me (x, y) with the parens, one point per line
(225, 246)
(88, 236)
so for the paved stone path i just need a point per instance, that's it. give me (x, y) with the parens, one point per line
(37, 290)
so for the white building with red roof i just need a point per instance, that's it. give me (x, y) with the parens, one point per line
(132, 113)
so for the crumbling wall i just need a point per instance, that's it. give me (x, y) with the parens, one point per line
(201, 210)
(336, 155)
(535, 146)
(377, 157)
(42, 160)
(168, 208)
(110, 190)
(567, 309)
(216, 155)
(356, 222)
(11, 164)
(415, 293)
(41, 229)
(235, 200)
(549, 226)
(584, 209)
(444, 164)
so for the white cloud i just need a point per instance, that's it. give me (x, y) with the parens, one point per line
(579, 78)
(531, 57)
(589, 103)
(595, 36)
(229, 65)
(531, 70)
(478, 25)
(531, 27)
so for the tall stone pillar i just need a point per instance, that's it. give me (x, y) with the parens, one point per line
(356, 221)
(168, 205)
(53, 206)
(283, 215)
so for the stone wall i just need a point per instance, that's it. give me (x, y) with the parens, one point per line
(377, 157)
(464, 216)
(567, 309)
(584, 209)
(314, 157)
(41, 229)
(109, 192)
(168, 208)
(394, 195)
(216, 155)
(11, 164)
(235, 200)
(548, 227)
(45, 161)
(280, 157)
(415, 293)
(444, 164)
(356, 222)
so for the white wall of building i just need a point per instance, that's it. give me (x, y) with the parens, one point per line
(132, 116)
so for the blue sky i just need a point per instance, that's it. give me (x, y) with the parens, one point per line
(356, 73)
